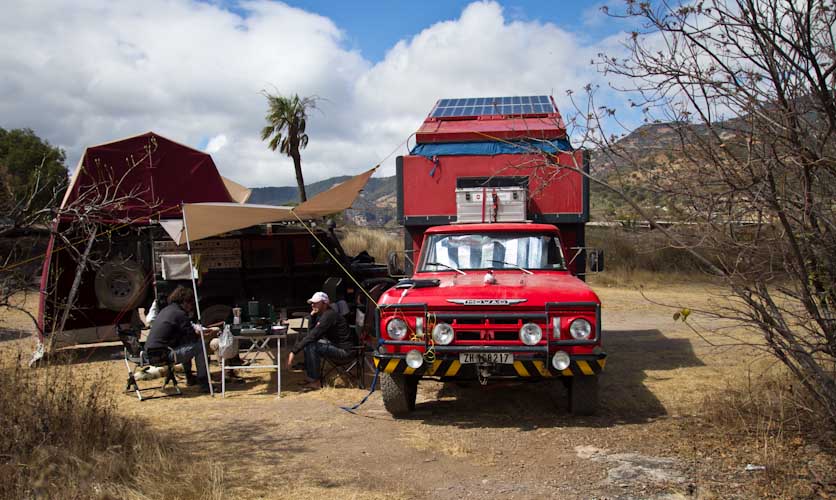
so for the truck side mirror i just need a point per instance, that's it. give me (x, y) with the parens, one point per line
(595, 260)
(394, 264)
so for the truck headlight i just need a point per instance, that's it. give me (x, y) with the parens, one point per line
(561, 361)
(414, 359)
(580, 329)
(530, 334)
(443, 334)
(396, 328)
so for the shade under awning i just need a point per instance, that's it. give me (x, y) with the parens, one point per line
(210, 219)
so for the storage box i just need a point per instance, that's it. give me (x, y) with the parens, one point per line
(491, 204)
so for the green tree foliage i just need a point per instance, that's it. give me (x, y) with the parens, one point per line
(32, 175)
(286, 120)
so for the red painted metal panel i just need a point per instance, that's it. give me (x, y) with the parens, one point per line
(494, 227)
(551, 127)
(551, 190)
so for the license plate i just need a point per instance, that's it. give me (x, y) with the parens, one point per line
(486, 357)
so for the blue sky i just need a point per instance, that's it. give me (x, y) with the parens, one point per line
(80, 74)
(375, 27)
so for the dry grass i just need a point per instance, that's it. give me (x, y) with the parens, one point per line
(772, 422)
(641, 251)
(377, 242)
(62, 438)
(454, 445)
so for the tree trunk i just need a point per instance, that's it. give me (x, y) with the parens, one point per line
(300, 182)
(82, 265)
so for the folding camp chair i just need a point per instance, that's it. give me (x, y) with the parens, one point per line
(139, 357)
(352, 368)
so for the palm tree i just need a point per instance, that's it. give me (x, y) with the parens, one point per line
(286, 117)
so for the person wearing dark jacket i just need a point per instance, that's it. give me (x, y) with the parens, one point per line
(172, 328)
(328, 337)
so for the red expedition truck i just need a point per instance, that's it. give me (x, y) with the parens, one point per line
(494, 204)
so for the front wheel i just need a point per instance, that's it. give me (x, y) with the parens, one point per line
(583, 394)
(399, 393)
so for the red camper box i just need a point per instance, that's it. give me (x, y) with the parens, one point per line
(472, 149)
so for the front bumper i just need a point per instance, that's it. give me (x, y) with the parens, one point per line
(526, 365)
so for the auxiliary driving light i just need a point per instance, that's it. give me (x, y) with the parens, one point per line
(414, 359)
(396, 328)
(530, 334)
(580, 329)
(443, 334)
(560, 360)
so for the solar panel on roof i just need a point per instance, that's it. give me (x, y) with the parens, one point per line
(482, 106)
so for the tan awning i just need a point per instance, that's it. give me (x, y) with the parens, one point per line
(336, 199)
(210, 219)
(237, 192)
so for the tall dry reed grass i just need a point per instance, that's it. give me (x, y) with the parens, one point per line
(377, 242)
(60, 437)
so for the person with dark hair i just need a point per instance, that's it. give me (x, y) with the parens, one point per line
(172, 328)
(330, 337)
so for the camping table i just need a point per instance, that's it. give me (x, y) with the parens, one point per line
(260, 343)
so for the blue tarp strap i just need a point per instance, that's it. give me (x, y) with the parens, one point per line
(489, 148)
(434, 159)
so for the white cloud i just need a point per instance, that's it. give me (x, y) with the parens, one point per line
(216, 144)
(85, 73)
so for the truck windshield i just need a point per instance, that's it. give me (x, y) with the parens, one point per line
(492, 251)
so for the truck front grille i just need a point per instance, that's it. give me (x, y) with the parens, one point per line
(473, 328)
(482, 335)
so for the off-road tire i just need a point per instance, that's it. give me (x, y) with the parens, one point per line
(399, 394)
(120, 285)
(583, 394)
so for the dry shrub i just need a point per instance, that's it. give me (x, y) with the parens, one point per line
(770, 421)
(640, 250)
(378, 242)
(62, 438)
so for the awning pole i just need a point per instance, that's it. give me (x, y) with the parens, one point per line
(196, 299)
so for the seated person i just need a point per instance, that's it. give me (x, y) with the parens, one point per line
(173, 329)
(329, 337)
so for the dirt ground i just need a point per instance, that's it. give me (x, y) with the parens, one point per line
(499, 441)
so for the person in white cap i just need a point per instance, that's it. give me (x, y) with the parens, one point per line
(329, 337)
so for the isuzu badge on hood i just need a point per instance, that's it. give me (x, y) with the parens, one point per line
(486, 302)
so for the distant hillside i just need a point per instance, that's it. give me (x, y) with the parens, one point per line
(289, 195)
(377, 202)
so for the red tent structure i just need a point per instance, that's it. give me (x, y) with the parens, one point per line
(150, 175)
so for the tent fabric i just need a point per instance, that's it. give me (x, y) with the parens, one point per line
(236, 191)
(210, 219)
(149, 174)
(177, 267)
(490, 148)
(336, 199)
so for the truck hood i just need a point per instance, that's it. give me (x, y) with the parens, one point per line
(535, 289)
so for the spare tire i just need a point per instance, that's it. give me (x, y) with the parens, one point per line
(120, 285)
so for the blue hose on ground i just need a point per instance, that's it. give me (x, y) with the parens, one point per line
(350, 409)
